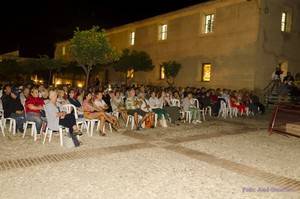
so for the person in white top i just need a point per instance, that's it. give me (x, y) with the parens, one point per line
(60, 99)
(156, 106)
(145, 105)
(102, 106)
(117, 104)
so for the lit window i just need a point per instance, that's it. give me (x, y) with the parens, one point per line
(130, 73)
(163, 32)
(209, 23)
(132, 38)
(162, 72)
(206, 72)
(63, 50)
(285, 22)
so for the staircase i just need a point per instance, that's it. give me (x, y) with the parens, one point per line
(274, 96)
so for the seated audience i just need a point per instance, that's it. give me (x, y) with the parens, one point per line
(133, 108)
(56, 118)
(24, 95)
(90, 111)
(117, 104)
(12, 107)
(156, 106)
(33, 107)
(102, 106)
(189, 105)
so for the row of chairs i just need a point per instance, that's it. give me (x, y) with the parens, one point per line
(187, 114)
(226, 110)
(84, 124)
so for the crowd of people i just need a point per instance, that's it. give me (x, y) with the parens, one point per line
(284, 85)
(147, 106)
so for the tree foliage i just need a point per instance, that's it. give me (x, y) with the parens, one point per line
(136, 60)
(91, 47)
(171, 70)
(12, 69)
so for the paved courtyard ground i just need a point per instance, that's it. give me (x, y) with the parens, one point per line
(233, 158)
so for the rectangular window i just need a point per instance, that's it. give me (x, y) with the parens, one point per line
(162, 73)
(130, 73)
(206, 72)
(209, 23)
(286, 19)
(132, 38)
(63, 50)
(163, 32)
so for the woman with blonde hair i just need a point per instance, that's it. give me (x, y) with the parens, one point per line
(91, 111)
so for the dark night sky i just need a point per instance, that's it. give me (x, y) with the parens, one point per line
(35, 26)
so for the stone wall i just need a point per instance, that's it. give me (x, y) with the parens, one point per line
(244, 48)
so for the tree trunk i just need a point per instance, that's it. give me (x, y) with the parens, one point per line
(50, 77)
(106, 81)
(87, 79)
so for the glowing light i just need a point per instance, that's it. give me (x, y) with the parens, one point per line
(130, 74)
(57, 82)
(80, 85)
(206, 72)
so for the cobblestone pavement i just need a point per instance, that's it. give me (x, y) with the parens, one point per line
(235, 158)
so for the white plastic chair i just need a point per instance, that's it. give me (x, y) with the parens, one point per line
(233, 111)
(68, 108)
(50, 132)
(91, 123)
(130, 119)
(2, 127)
(98, 126)
(224, 110)
(176, 102)
(33, 129)
(202, 111)
(208, 110)
(12, 125)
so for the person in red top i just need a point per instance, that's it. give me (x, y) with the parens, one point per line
(33, 106)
